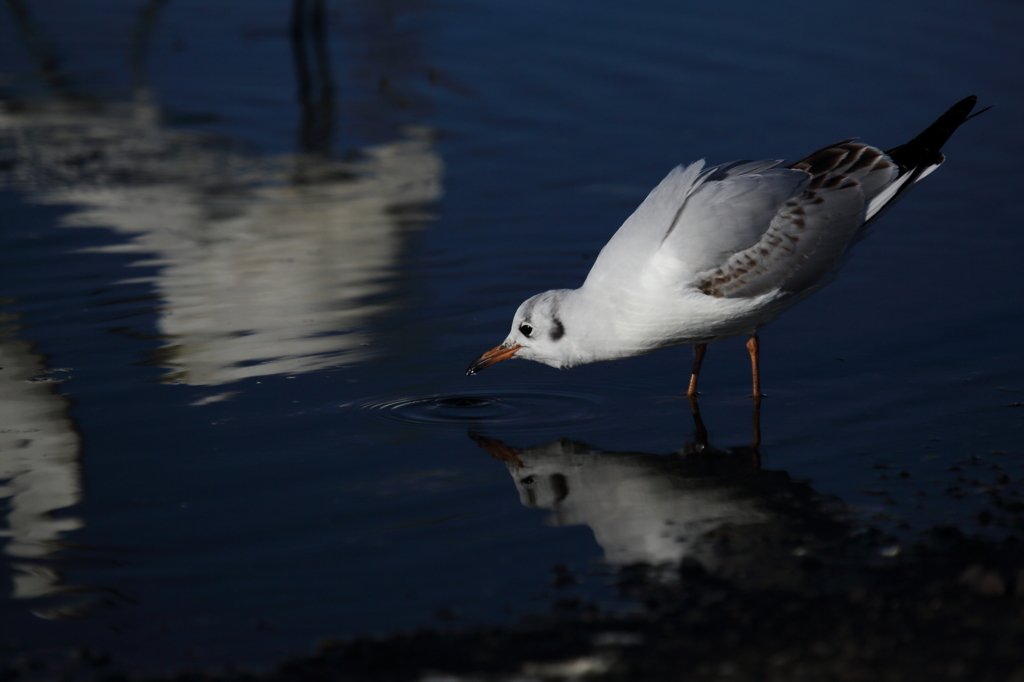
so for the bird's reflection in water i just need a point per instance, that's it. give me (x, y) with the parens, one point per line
(701, 503)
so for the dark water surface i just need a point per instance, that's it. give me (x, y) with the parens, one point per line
(248, 251)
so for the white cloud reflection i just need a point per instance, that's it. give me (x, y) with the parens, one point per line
(266, 265)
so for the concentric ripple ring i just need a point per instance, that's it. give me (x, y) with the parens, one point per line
(527, 408)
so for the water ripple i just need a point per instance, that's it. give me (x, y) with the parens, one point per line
(520, 408)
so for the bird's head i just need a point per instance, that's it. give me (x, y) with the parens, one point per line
(538, 333)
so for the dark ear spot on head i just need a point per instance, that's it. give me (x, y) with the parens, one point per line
(559, 486)
(557, 329)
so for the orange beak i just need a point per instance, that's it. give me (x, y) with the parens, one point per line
(496, 354)
(498, 450)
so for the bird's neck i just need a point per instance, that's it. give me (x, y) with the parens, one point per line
(606, 325)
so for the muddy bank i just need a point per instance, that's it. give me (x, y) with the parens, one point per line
(860, 607)
(951, 610)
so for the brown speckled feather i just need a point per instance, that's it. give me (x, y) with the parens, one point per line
(810, 232)
(848, 186)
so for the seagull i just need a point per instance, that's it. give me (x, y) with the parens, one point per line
(716, 252)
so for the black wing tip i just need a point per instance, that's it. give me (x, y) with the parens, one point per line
(959, 112)
(925, 148)
(967, 103)
(979, 112)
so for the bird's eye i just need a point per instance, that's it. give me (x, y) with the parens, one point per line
(526, 329)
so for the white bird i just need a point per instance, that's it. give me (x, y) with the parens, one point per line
(717, 252)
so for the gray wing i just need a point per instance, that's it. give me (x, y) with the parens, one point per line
(730, 212)
(672, 217)
(791, 242)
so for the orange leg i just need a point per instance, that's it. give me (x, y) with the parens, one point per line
(753, 345)
(698, 357)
